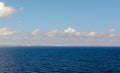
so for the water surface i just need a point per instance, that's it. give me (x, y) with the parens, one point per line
(59, 59)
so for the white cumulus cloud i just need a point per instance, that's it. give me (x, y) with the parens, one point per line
(92, 34)
(69, 32)
(5, 32)
(35, 32)
(53, 33)
(5, 10)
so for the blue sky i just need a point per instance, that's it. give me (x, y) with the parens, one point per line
(46, 16)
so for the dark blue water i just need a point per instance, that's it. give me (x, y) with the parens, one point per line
(59, 60)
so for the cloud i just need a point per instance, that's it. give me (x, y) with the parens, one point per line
(69, 32)
(53, 33)
(35, 32)
(5, 32)
(112, 30)
(92, 34)
(72, 33)
(66, 37)
(5, 10)
(32, 34)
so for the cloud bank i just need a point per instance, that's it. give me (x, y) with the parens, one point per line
(66, 37)
(5, 11)
(72, 33)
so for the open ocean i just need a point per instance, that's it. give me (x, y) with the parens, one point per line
(59, 59)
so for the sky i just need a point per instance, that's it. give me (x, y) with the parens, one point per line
(60, 22)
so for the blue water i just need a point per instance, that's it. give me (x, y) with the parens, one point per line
(60, 60)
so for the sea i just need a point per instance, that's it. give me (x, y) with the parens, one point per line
(51, 59)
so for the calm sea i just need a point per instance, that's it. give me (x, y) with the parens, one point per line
(59, 59)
